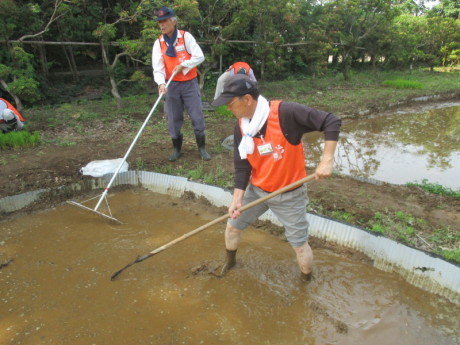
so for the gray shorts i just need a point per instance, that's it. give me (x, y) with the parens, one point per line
(289, 208)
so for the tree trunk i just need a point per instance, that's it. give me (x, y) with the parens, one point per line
(373, 61)
(17, 100)
(202, 74)
(68, 52)
(114, 89)
(73, 64)
(43, 60)
(113, 82)
(346, 66)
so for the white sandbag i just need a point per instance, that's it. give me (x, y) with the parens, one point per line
(102, 167)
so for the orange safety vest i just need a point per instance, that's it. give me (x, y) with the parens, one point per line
(181, 55)
(285, 165)
(239, 65)
(10, 106)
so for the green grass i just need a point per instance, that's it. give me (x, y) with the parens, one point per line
(447, 242)
(216, 177)
(19, 139)
(435, 188)
(398, 225)
(140, 164)
(223, 112)
(403, 84)
(453, 255)
(342, 215)
(405, 228)
(365, 90)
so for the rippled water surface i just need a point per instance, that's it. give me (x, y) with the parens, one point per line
(58, 291)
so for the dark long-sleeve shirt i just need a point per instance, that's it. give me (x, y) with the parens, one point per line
(295, 120)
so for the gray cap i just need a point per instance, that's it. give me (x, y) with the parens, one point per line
(236, 85)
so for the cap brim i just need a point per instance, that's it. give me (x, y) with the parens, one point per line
(222, 99)
(164, 17)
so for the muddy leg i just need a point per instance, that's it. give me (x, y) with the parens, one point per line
(304, 256)
(232, 240)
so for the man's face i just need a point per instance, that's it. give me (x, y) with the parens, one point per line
(167, 26)
(243, 106)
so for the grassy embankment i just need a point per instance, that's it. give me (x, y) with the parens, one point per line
(370, 91)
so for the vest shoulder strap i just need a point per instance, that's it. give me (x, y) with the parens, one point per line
(183, 32)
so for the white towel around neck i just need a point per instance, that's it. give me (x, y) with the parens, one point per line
(251, 127)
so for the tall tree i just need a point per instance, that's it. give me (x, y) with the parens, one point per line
(446, 8)
(351, 22)
(17, 68)
(113, 29)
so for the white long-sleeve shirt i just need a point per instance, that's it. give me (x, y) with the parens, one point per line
(158, 65)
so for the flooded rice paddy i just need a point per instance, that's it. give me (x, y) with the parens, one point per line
(58, 291)
(401, 148)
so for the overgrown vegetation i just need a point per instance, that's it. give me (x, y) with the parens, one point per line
(447, 243)
(435, 188)
(406, 229)
(18, 139)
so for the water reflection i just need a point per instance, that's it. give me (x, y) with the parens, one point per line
(400, 148)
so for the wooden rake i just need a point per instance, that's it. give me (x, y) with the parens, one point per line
(215, 221)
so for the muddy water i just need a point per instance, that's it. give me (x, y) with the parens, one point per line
(401, 148)
(58, 289)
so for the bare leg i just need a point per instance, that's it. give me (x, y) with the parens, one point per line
(304, 256)
(232, 237)
(232, 240)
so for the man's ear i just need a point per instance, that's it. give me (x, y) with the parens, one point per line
(248, 99)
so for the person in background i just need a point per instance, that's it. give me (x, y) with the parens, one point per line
(9, 121)
(177, 53)
(10, 118)
(269, 155)
(239, 67)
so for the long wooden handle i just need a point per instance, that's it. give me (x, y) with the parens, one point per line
(215, 221)
(241, 209)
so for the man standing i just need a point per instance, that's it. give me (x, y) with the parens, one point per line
(270, 155)
(177, 53)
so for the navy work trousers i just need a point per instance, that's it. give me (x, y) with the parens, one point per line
(184, 95)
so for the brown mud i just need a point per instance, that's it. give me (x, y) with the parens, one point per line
(52, 166)
(59, 291)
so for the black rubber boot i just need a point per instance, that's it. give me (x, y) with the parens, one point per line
(177, 147)
(306, 277)
(230, 261)
(201, 142)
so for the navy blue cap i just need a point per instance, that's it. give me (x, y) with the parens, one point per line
(165, 13)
